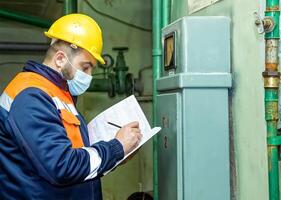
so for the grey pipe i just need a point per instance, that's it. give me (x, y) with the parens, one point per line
(23, 46)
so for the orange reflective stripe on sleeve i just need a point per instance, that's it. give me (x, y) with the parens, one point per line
(67, 109)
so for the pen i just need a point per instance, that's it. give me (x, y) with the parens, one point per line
(114, 124)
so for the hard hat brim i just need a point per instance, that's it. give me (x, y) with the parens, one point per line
(98, 57)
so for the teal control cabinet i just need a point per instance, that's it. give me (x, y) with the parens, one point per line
(193, 110)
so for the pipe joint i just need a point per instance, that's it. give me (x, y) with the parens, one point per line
(271, 79)
(271, 82)
(156, 52)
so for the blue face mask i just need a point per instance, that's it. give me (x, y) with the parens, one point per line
(80, 83)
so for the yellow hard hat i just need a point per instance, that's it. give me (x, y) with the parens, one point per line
(80, 30)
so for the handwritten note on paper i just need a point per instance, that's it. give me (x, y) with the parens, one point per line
(122, 113)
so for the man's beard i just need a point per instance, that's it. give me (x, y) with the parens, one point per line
(67, 72)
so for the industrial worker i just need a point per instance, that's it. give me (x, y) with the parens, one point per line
(44, 144)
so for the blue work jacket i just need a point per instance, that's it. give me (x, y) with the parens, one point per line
(37, 160)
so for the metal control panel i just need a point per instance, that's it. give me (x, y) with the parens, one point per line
(192, 109)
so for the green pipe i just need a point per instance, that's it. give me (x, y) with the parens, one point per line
(271, 117)
(100, 85)
(272, 10)
(160, 19)
(104, 85)
(273, 172)
(25, 18)
(70, 6)
(271, 84)
(272, 4)
(156, 64)
(166, 12)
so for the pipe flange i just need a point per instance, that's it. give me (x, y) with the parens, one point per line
(271, 82)
(266, 74)
(271, 79)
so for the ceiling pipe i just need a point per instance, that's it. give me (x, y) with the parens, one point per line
(28, 19)
(23, 46)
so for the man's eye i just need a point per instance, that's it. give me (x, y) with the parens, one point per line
(85, 68)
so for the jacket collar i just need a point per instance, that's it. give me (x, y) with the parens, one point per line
(47, 72)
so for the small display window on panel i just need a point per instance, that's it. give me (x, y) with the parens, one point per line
(169, 52)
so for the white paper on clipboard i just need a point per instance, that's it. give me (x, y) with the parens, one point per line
(122, 113)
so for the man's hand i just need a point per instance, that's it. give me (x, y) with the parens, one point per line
(129, 136)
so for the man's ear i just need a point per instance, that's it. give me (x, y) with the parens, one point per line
(60, 59)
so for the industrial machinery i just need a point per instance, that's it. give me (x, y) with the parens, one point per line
(193, 111)
(116, 80)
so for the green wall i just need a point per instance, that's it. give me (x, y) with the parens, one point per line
(248, 131)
